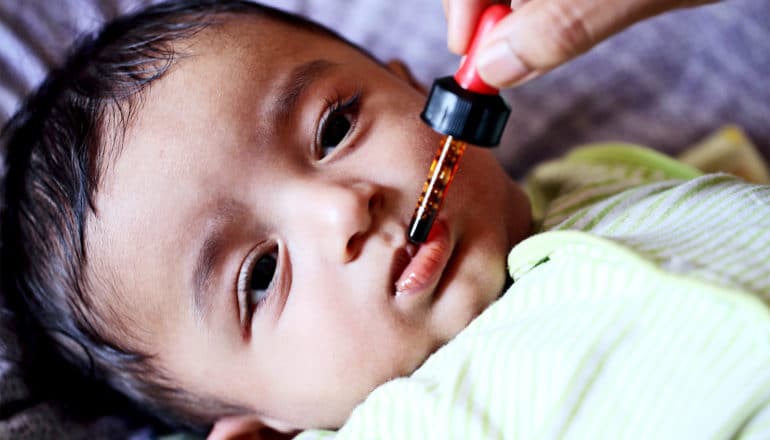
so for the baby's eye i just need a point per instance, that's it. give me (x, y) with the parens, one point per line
(262, 275)
(334, 132)
(255, 289)
(336, 124)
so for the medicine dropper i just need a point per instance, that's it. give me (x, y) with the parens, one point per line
(465, 110)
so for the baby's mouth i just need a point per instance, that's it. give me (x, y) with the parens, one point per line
(419, 268)
(401, 260)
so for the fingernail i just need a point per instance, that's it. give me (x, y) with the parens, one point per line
(499, 66)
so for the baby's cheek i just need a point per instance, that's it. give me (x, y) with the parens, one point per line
(456, 315)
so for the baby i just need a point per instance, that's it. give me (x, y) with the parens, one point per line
(207, 209)
(221, 216)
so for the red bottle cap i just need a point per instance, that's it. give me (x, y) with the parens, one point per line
(467, 76)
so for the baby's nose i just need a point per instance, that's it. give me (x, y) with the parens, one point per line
(345, 212)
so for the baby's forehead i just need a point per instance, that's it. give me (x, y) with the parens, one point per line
(265, 33)
(269, 45)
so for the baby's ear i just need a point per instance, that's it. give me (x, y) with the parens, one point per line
(245, 427)
(401, 70)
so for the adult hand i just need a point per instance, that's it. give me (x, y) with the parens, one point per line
(542, 34)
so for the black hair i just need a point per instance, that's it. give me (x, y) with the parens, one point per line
(55, 157)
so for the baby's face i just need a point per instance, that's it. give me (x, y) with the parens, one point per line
(254, 225)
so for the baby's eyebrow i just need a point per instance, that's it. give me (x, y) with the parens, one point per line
(298, 80)
(226, 212)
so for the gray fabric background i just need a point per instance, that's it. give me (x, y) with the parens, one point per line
(664, 83)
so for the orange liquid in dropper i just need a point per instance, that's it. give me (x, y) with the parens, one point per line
(442, 171)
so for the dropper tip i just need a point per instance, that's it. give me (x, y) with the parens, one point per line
(419, 229)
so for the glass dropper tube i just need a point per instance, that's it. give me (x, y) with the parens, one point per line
(442, 171)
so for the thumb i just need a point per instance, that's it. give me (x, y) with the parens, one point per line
(543, 34)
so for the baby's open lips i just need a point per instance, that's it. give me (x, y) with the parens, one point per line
(417, 269)
(401, 259)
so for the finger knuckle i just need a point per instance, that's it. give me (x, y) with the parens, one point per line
(567, 28)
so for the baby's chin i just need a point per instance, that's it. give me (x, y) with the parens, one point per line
(471, 298)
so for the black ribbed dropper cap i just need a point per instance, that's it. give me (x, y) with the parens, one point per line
(476, 118)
